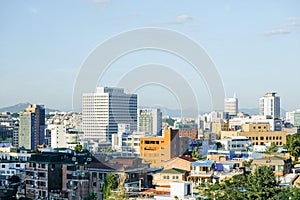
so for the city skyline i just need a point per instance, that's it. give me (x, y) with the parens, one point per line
(254, 47)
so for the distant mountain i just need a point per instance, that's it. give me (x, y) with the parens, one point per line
(21, 107)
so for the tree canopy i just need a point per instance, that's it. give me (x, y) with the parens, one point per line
(109, 184)
(260, 185)
(293, 144)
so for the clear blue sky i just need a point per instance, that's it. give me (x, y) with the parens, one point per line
(255, 46)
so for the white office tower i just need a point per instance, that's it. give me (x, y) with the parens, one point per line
(150, 121)
(269, 105)
(103, 110)
(231, 106)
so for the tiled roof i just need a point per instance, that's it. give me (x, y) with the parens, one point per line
(187, 158)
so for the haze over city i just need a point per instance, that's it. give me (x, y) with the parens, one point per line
(254, 46)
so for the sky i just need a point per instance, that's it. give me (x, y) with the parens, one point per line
(254, 46)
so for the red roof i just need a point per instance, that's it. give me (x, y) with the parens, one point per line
(188, 158)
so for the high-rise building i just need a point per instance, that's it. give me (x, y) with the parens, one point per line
(9, 128)
(231, 106)
(32, 126)
(103, 110)
(269, 105)
(150, 121)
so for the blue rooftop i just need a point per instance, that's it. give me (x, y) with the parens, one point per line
(203, 163)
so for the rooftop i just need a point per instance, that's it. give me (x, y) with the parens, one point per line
(173, 171)
(203, 163)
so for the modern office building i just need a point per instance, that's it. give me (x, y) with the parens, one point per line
(32, 127)
(269, 105)
(150, 121)
(103, 110)
(231, 106)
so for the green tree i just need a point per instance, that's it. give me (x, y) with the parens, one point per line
(262, 184)
(272, 148)
(293, 144)
(109, 184)
(195, 153)
(91, 196)
(78, 148)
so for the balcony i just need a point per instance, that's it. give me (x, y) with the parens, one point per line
(202, 173)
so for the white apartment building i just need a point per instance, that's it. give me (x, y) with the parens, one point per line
(150, 120)
(103, 110)
(58, 135)
(61, 137)
(231, 106)
(235, 143)
(127, 143)
(237, 122)
(269, 105)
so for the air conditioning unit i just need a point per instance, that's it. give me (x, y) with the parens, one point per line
(89, 159)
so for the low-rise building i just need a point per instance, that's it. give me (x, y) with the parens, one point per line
(281, 165)
(235, 143)
(162, 179)
(202, 171)
(182, 162)
(259, 133)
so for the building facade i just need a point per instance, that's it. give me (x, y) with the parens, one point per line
(269, 105)
(231, 106)
(150, 121)
(103, 110)
(32, 127)
(157, 150)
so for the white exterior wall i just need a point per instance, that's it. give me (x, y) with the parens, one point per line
(269, 105)
(58, 136)
(231, 106)
(104, 110)
(253, 119)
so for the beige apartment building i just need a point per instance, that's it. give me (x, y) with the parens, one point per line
(259, 133)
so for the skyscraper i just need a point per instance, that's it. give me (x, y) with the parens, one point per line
(231, 106)
(32, 126)
(103, 110)
(269, 105)
(150, 120)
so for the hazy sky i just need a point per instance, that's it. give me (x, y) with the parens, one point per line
(255, 46)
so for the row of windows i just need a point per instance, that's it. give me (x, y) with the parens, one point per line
(267, 138)
(262, 143)
(173, 177)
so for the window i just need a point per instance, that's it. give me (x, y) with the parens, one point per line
(261, 138)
